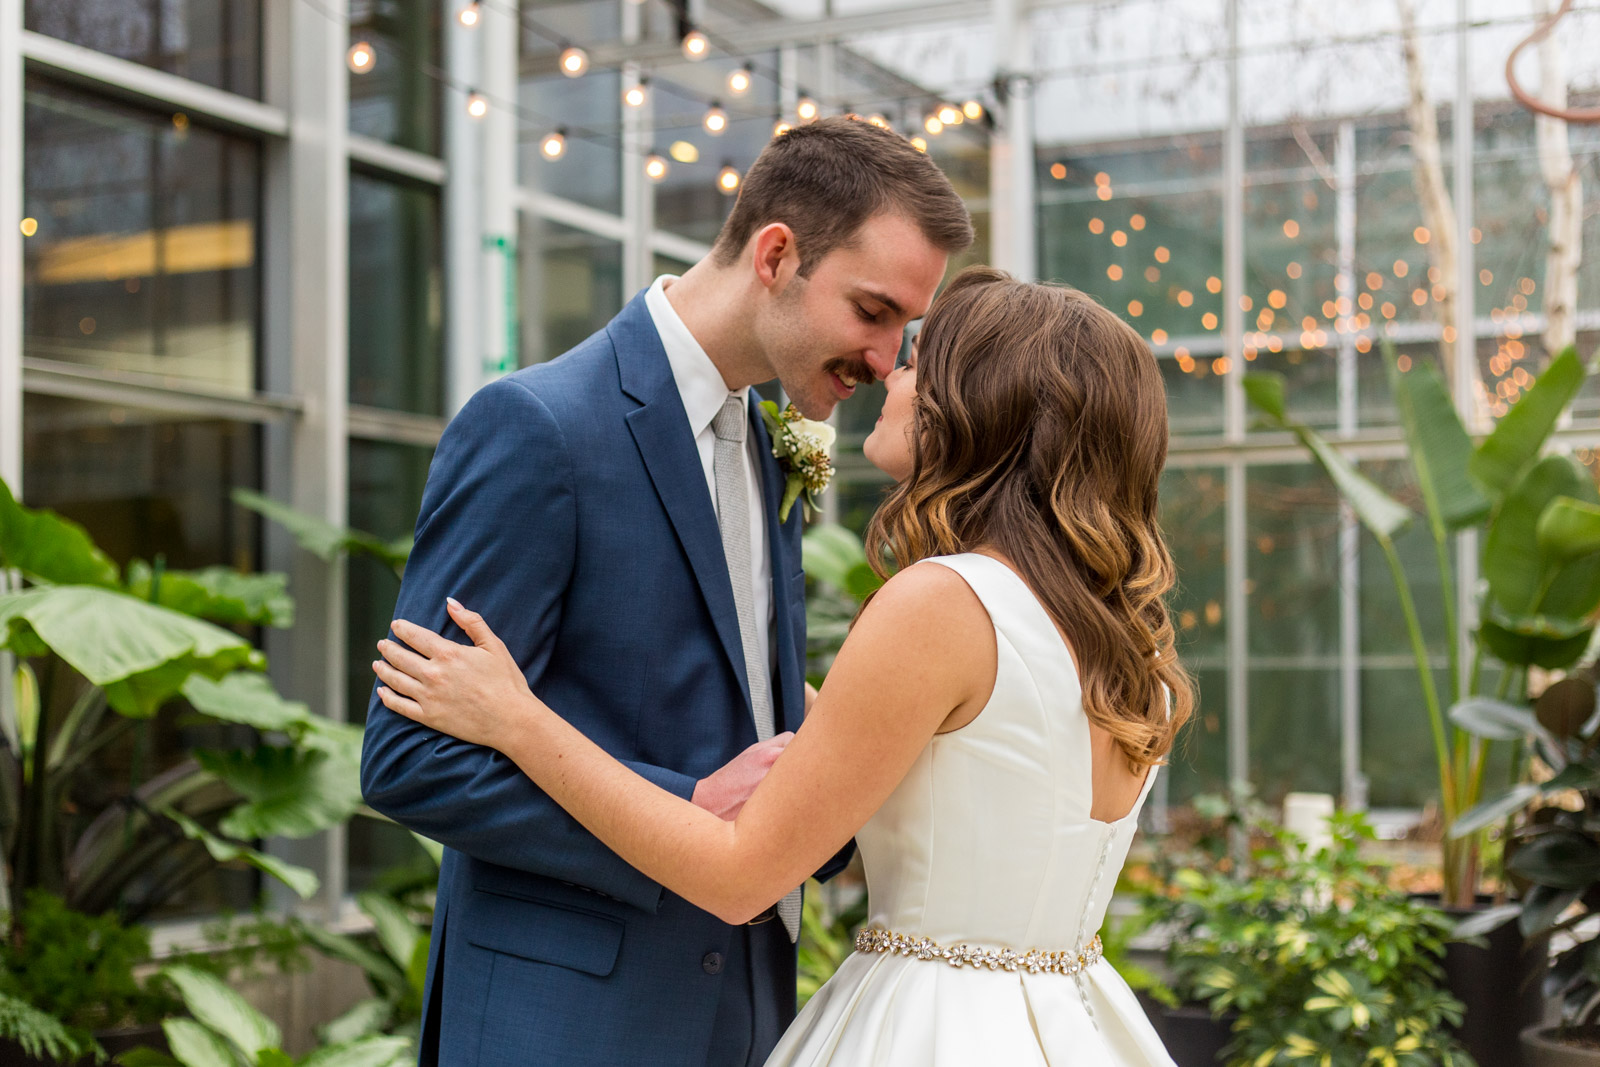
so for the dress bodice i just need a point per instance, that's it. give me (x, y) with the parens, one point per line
(988, 839)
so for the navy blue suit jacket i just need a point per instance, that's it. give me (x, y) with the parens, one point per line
(568, 505)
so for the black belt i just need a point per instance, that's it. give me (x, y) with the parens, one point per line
(766, 916)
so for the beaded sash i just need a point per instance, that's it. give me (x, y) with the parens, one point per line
(877, 939)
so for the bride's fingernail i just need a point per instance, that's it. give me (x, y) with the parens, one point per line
(452, 601)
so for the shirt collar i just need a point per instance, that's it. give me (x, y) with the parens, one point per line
(699, 382)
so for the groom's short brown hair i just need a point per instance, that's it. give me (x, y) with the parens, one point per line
(825, 179)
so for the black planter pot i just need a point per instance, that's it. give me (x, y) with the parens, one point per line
(1541, 1048)
(113, 1041)
(1193, 1038)
(1501, 986)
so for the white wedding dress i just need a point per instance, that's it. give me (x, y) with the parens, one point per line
(988, 843)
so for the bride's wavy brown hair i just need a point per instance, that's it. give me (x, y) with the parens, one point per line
(1040, 431)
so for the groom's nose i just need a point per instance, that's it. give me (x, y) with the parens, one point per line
(880, 361)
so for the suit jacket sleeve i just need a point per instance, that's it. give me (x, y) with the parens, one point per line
(498, 531)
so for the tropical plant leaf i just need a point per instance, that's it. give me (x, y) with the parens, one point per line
(320, 537)
(1493, 811)
(398, 935)
(1494, 720)
(1517, 576)
(1535, 640)
(288, 791)
(194, 1045)
(381, 971)
(1542, 907)
(1520, 434)
(302, 881)
(1559, 859)
(41, 1034)
(139, 653)
(45, 546)
(222, 1010)
(1379, 512)
(364, 1017)
(247, 698)
(220, 594)
(1440, 448)
(1569, 528)
(1485, 922)
(374, 1051)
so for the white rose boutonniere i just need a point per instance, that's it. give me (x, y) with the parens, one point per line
(801, 447)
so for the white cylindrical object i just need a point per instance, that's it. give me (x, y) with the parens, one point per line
(1306, 816)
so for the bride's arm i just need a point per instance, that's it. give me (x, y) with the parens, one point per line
(923, 649)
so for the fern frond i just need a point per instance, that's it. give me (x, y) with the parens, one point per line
(42, 1035)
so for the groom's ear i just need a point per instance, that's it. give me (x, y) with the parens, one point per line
(775, 256)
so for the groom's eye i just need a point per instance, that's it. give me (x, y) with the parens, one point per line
(867, 316)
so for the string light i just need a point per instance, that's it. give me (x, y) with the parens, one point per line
(716, 120)
(728, 179)
(695, 46)
(973, 110)
(933, 124)
(469, 15)
(919, 144)
(477, 106)
(574, 61)
(739, 80)
(878, 121)
(950, 115)
(684, 152)
(554, 145)
(807, 109)
(636, 95)
(29, 227)
(655, 167)
(780, 128)
(360, 58)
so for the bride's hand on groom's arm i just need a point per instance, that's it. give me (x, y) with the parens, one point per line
(474, 692)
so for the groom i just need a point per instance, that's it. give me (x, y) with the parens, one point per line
(613, 514)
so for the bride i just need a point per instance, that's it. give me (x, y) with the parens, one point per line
(988, 732)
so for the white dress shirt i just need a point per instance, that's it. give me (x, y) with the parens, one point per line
(704, 392)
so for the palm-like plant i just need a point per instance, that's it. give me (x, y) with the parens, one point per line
(1539, 523)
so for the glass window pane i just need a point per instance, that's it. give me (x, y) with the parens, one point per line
(148, 484)
(144, 257)
(396, 100)
(1193, 520)
(217, 43)
(396, 341)
(588, 110)
(571, 286)
(386, 483)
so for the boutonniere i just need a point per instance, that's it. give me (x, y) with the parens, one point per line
(801, 446)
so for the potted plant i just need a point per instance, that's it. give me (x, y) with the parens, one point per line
(1314, 955)
(1554, 853)
(1541, 568)
(102, 651)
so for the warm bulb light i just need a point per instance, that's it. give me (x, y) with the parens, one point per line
(360, 58)
(469, 15)
(29, 227)
(695, 45)
(950, 115)
(739, 81)
(716, 120)
(684, 152)
(780, 128)
(655, 167)
(806, 108)
(919, 144)
(933, 124)
(878, 121)
(477, 106)
(728, 179)
(635, 95)
(574, 61)
(973, 110)
(554, 145)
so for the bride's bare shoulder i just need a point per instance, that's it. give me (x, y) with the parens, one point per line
(928, 616)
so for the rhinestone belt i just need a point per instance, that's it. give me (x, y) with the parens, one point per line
(877, 939)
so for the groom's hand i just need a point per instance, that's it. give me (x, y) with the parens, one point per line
(728, 787)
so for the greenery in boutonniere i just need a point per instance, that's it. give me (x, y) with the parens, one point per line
(801, 446)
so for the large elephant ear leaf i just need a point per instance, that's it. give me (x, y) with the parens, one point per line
(247, 698)
(223, 1011)
(139, 653)
(288, 791)
(304, 882)
(320, 537)
(1524, 578)
(43, 545)
(1520, 434)
(220, 594)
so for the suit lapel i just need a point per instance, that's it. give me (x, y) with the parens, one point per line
(661, 430)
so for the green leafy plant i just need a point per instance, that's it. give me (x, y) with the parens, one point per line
(826, 938)
(840, 580)
(1322, 962)
(1554, 852)
(223, 1030)
(1538, 519)
(40, 1034)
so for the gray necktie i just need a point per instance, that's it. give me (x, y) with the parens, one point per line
(733, 515)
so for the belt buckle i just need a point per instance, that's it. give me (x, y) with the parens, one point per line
(765, 917)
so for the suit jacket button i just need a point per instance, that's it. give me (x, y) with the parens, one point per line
(712, 963)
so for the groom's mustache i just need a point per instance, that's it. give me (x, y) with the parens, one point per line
(861, 372)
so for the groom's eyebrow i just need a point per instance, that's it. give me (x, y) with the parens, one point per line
(885, 299)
